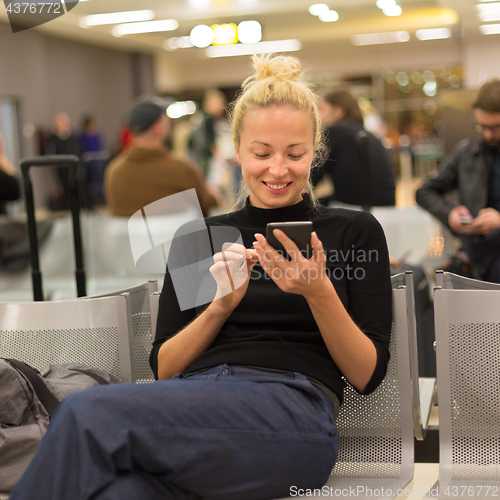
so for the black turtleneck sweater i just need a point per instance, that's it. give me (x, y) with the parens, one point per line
(270, 328)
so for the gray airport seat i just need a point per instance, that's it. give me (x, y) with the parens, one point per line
(468, 377)
(451, 281)
(94, 332)
(141, 326)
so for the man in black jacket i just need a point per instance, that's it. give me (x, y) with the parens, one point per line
(473, 168)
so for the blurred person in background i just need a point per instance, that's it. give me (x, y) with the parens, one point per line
(147, 171)
(9, 185)
(90, 138)
(94, 160)
(472, 169)
(61, 141)
(343, 122)
(203, 139)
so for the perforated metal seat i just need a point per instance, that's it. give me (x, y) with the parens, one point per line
(376, 453)
(468, 370)
(451, 281)
(141, 326)
(94, 332)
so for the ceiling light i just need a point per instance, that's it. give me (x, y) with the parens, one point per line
(183, 42)
(379, 38)
(490, 29)
(318, 8)
(225, 34)
(489, 7)
(202, 36)
(249, 32)
(181, 108)
(393, 11)
(117, 17)
(329, 17)
(199, 4)
(253, 48)
(403, 78)
(430, 89)
(385, 4)
(146, 27)
(433, 34)
(487, 17)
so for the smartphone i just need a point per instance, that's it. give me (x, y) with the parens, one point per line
(299, 232)
(465, 219)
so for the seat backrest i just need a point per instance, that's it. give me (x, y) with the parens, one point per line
(413, 235)
(421, 402)
(93, 331)
(468, 377)
(376, 430)
(141, 326)
(451, 281)
(155, 302)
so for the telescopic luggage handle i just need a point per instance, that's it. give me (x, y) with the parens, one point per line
(71, 163)
(364, 158)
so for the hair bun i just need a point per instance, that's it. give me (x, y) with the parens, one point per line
(277, 67)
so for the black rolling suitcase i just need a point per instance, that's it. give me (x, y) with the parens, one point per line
(69, 165)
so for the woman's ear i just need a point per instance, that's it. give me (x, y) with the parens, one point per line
(237, 150)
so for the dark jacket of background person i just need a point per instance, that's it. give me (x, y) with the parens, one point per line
(9, 190)
(467, 169)
(140, 176)
(345, 169)
(57, 145)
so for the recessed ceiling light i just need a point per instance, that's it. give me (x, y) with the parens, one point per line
(490, 29)
(487, 17)
(202, 36)
(329, 17)
(488, 7)
(117, 17)
(385, 4)
(393, 11)
(380, 38)
(253, 48)
(146, 27)
(318, 8)
(249, 32)
(433, 34)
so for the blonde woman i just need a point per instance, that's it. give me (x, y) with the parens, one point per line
(251, 383)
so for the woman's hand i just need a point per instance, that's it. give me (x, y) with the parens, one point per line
(231, 270)
(306, 277)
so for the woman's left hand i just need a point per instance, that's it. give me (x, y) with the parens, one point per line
(299, 275)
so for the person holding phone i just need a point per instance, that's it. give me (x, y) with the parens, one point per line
(250, 380)
(472, 169)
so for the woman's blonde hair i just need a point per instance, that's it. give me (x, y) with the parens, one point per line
(277, 80)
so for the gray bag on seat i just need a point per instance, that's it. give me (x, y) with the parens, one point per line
(28, 400)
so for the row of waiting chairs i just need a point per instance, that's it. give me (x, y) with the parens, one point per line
(115, 332)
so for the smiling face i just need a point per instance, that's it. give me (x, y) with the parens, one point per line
(276, 151)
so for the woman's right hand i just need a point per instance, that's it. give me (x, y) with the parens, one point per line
(231, 270)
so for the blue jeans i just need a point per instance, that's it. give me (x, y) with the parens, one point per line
(225, 433)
